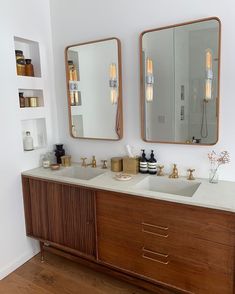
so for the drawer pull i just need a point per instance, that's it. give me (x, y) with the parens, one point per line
(155, 226)
(160, 228)
(154, 256)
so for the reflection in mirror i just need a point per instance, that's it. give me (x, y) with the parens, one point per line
(94, 89)
(180, 83)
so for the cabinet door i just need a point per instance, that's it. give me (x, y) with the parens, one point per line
(71, 217)
(35, 205)
(60, 213)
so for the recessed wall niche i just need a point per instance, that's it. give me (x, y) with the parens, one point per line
(30, 51)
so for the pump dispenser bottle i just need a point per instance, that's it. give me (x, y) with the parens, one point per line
(143, 163)
(152, 164)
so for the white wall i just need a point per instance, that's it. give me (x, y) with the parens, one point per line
(31, 20)
(75, 21)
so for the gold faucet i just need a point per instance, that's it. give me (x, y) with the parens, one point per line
(83, 161)
(93, 162)
(190, 176)
(160, 172)
(174, 174)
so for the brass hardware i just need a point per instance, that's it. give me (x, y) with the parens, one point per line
(84, 161)
(174, 174)
(66, 160)
(160, 172)
(157, 254)
(154, 233)
(155, 226)
(190, 176)
(93, 162)
(104, 166)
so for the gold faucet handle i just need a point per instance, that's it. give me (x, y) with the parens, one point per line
(190, 176)
(93, 162)
(160, 172)
(104, 166)
(83, 161)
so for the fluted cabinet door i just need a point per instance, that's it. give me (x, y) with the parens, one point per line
(71, 217)
(60, 213)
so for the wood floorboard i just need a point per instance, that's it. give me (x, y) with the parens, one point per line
(58, 275)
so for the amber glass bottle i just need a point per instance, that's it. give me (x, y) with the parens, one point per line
(29, 71)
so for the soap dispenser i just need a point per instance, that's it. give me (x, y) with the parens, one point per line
(143, 163)
(152, 164)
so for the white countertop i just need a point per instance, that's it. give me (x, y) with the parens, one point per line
(217, 196)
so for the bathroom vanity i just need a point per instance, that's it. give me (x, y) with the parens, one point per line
(161, 241)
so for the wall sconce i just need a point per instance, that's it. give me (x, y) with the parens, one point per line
(209, 76)
(149, 80)
(113, 83)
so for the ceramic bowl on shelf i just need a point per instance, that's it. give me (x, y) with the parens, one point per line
(55, 166)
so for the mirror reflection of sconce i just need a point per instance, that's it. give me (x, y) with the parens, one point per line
(73, 83)
(149, 80)
(209, 76)
(113, 84)
(208, 93)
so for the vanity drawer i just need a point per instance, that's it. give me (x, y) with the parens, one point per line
(186, 274)
(202, 223)
(158, 265)
(203, 253)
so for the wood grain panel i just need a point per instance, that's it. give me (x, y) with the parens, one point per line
(27, 206)
(61, 214)
(38, 208)
(176, 253)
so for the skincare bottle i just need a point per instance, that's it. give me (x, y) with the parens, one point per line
(143, 163)
(152, 164)
(28, 142)
(29, 71)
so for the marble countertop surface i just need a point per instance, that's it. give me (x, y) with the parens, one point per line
(216, 196)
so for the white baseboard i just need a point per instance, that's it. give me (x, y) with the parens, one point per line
(17, 263)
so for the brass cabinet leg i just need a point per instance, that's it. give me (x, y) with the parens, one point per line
(42, 251)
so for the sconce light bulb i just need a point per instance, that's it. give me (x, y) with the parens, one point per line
(113, 95)
(113, 71)
(149, 66)
(208, 59)
(149, 93)
(208, 90)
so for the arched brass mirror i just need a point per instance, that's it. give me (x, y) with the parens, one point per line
(94, 86)
(180, 74)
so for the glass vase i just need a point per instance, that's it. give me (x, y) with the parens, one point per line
(213, 176)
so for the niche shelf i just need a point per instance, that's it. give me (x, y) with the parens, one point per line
(32, 119)
(33, 93)
(37, 129)
(30, 51)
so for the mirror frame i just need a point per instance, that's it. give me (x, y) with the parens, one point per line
(119, 114)
(142, 78)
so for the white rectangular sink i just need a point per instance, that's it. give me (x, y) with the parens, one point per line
(169, 186)
(81, 173)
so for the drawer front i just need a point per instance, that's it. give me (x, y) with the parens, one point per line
(138, 236)
(206, 254)
(203, 223)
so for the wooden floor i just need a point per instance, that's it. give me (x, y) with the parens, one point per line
(58, 275)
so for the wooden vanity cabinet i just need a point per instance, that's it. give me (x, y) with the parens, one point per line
(184, 247)
(61, 214)
(172, 247)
